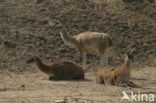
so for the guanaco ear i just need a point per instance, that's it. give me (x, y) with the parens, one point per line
(125, 54)
(64, 31)
(63, 27)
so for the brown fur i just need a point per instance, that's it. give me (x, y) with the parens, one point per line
(116, 75)
(62, 70)
(89, 41)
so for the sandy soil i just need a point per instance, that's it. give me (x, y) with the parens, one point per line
(35, 88)
(31, 27)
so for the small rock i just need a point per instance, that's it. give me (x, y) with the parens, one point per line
(39, 1)
(23, 85)
(44, 22)
(63, 51)
(9, 44)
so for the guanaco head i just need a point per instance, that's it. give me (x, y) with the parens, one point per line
(34, 60)
(129, 57)
(63, 32)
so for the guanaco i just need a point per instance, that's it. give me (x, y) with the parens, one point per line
(61, 70)
(116, 75)
(89, 41)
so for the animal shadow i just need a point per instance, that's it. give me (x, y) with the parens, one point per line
(131, 84)
(138, 79)
(71, 80)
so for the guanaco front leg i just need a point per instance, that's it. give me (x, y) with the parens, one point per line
(83, 55)
(104, 60)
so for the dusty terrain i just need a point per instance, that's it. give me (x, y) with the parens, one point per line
(31, 27)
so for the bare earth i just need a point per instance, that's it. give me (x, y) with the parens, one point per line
(35, 88)
(31, 27)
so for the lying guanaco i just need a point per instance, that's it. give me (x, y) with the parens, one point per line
(116, 75)
(62, 70)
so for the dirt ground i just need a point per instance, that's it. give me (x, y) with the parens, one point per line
(31, 28)
(35, 88)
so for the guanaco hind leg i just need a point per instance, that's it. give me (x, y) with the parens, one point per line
(83, 55)
(103, 60)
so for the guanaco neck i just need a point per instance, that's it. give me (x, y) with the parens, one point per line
(41, 66)
(127, 65)
(69, 40)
